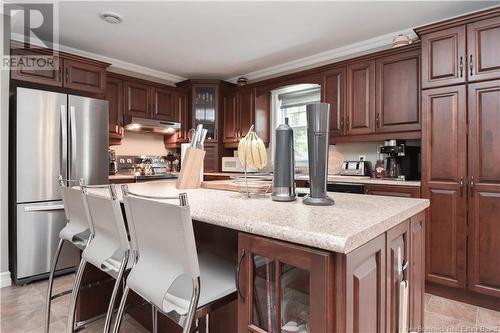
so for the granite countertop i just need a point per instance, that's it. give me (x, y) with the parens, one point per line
(336, 179)
(352, 221)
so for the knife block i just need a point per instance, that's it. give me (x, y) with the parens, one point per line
(191, 169)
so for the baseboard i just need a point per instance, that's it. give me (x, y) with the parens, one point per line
(5, 280)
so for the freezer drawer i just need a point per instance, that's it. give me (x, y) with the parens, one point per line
(38, 226)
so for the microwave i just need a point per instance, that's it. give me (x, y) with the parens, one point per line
(232, 164)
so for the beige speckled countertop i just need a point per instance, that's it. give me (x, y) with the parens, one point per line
(351, 222)
(336, 179)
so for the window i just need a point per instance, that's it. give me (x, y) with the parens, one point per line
(291, 102)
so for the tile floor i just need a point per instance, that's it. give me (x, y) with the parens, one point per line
(22, 311)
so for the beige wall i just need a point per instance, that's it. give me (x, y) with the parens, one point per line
(4, 137)
(141, 144)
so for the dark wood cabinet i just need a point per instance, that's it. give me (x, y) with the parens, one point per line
(114, 95)
(84, 76)
(163, 104)
(41, 76)
(393, 190)
(244, 109)
(230, 132)
(484, 187)
(211, 161)
(444, 57)
(416, 270)
(137, 99)
(397, 252)
(444, 172)
(279, 282)
(398, 93)
(334, 84)
(483, 43)
(182, 116)
(360, 98)
(365, 287)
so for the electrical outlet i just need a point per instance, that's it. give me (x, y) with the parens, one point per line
(362, 158)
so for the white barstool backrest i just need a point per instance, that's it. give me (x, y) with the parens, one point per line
(75, 210)
(163, 238)
(110, 240)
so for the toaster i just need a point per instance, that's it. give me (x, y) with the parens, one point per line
(355, 168)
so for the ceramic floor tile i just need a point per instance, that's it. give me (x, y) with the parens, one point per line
(427, 298)
(457, 310)
(488, 318)
(23, 323)
(435, 322)
(24, 303)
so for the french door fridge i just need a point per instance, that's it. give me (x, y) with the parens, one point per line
(55, 134)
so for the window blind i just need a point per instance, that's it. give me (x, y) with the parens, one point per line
(299, 98)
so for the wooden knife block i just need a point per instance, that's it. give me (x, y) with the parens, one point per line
(189, 176)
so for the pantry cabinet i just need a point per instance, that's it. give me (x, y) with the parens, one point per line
(483, 43)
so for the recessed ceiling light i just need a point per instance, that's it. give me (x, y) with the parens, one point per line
(111, 17)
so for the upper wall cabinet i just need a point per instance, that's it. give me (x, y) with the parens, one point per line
(334, 84)
(163, 107)
(70, 72)
(468, 52)
(114, 95)
(137, 99)
(360, 97)
(182, 114)
(483, 42)
(398, 93)
(444, 57)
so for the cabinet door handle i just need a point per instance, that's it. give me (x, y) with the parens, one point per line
(461, 67)
(342, 127)
(59, 74)
(471, 65)
(472, 186)
(378, 120)
(461, 186)
(67, 74)
(237, 278)
(347, 122)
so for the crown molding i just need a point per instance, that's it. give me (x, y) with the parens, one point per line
(330, 56)
(115, 63)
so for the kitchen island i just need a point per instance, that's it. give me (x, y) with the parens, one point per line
(330, 269)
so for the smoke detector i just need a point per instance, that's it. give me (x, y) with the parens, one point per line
(111, 17)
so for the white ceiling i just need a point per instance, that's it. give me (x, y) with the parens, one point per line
(229, 39)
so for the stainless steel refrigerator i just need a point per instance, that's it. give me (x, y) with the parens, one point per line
(55, 134)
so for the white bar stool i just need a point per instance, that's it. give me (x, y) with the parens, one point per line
(167, 271)
(108, 248)
(76, 232)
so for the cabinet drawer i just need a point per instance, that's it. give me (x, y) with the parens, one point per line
(393, 190)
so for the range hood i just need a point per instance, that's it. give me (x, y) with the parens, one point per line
(138, 124)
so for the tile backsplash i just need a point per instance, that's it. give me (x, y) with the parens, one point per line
(135, 143)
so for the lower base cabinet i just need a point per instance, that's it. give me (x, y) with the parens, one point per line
(280, 284)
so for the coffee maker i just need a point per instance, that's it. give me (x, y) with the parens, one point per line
(402, 162)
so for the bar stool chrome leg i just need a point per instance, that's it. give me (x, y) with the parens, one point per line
(109, 315)
(121, 309)
(51, 284)
(155, 318)
(207, 322)
(74, 295)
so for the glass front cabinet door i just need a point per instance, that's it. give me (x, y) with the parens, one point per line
(282, 287)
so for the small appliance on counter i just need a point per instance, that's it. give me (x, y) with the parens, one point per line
(284, 164)
(318, 123)
(355, 168)
(233, 164)
(402, 162)
(145, 168)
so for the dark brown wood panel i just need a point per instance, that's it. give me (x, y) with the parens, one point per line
(393, 190)
(483, 43)
(84, 77)
(245, 110)
(398, 242)
(398, 93)
(182, 114)
(360, 98)
(444, 58)
(137, 99)
(23, 72)
(365, 287)
(262, 116)
(484, 187)
(211, 162)
(114, 95)
(333, 92)
(444, 173)
(163, 104)
(230, 130)
(417, 271)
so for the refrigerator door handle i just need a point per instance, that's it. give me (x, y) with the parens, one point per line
(64, 142)
(72, 128)
(39, 208)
